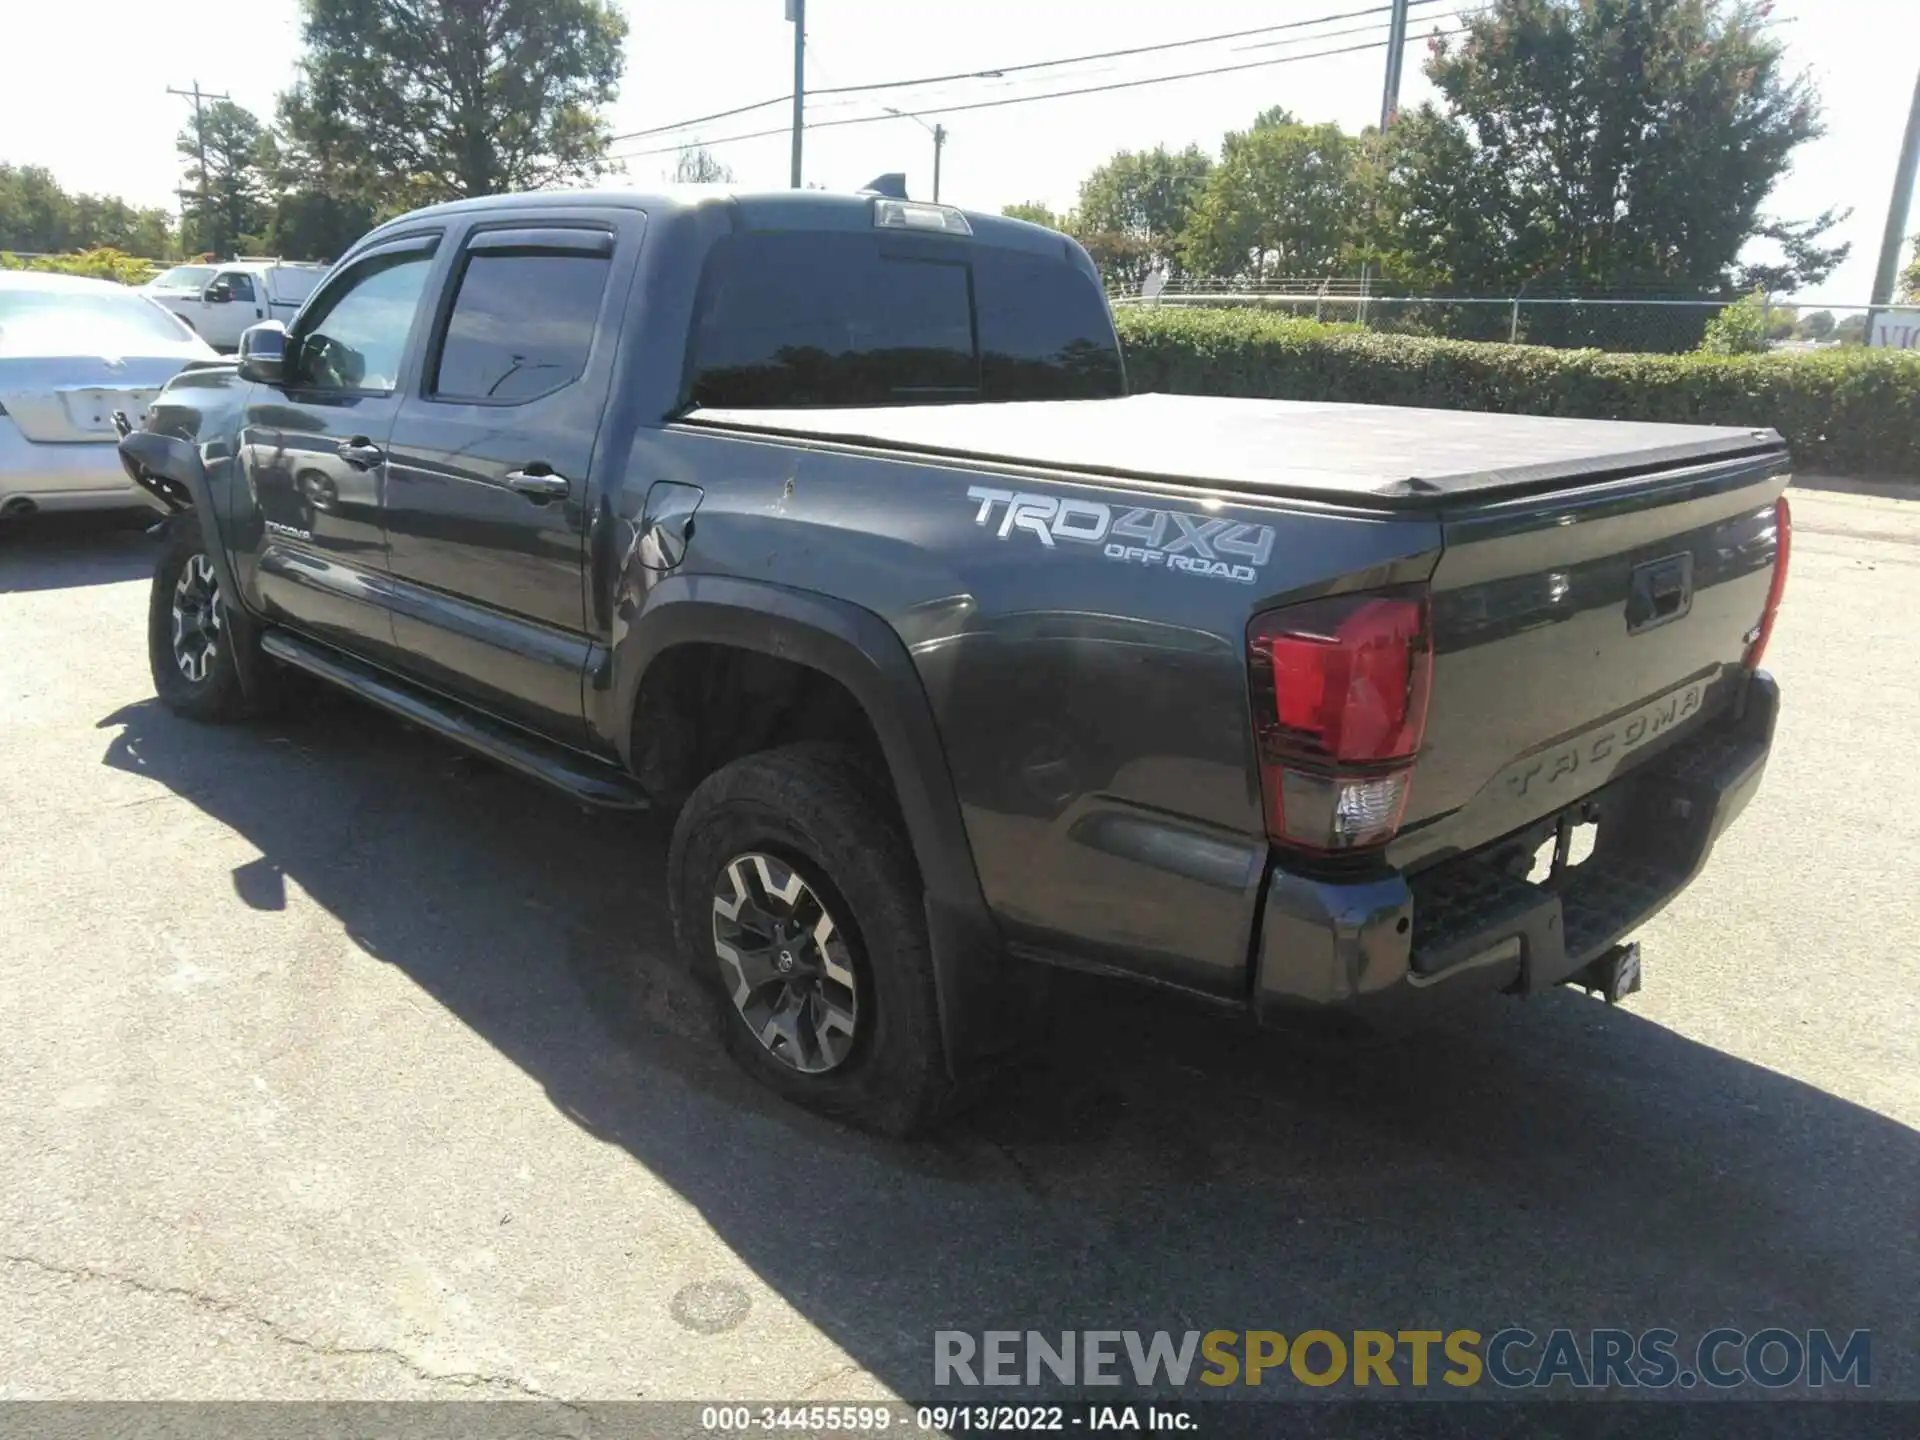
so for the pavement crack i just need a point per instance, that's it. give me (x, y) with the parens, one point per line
(836, 1372)
(217, 1305)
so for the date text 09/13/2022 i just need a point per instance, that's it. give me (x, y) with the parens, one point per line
(947, 1419)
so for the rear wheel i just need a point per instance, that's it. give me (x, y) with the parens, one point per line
(796, 900)
(194, 648)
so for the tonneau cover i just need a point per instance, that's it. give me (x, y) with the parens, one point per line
(1376, 454)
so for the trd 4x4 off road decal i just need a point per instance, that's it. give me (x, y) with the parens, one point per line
(1165, 539)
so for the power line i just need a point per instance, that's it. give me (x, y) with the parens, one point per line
(1003, 70)
(933, 103)
(1048, 95)
(999, 72)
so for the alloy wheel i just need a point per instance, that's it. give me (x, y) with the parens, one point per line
(786, 963)
(196, 618)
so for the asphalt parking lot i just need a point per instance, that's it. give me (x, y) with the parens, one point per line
(333, 1064)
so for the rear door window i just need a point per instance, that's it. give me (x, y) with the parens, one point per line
(521, 326)
(835, 318)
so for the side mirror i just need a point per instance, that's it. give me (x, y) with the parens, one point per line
(216, 293)
(266, 353)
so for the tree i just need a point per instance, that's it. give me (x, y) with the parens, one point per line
(1424, 223)
(325, 194)
(311, 224)
(423, 100)
(1133, 209)
(1817, 326)
(231, 159)
(696, 166)
(1910, 282)
(1852, 330)
(1740, 329)
(1037, 212)
(38, 216)
(1282, 201)
(35, 213)
(1621, 145)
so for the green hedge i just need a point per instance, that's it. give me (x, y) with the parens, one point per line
(1846, 411)
(104, 263)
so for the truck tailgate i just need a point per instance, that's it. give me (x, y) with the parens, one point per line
(1579, 633)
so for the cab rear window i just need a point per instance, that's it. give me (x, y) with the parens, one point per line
(800, 319)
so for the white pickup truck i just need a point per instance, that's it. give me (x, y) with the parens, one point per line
(220, 301)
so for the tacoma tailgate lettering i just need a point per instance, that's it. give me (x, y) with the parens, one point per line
(1627, 733)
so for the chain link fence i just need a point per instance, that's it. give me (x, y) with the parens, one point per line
(1621, 323)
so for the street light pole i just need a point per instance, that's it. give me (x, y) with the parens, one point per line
(939, 133)
(797, 13)
(1897, 211)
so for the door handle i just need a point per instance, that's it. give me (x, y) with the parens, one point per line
(360, 452)
(539, 487)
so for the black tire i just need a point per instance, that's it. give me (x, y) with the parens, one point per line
(196, 654)
(817, 810)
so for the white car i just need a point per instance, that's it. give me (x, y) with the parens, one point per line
(220, 301)
(73, 351)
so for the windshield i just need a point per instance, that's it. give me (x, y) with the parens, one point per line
(183, 277)
(86, 322)
(818, 318)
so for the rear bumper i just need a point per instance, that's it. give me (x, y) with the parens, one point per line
(1386, 952)
(81, 476)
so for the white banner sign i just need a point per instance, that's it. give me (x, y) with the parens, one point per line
(1896, 329)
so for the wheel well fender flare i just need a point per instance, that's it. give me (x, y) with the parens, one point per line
(179, 461)
(172, 458)
(857, 648)
(844, 642)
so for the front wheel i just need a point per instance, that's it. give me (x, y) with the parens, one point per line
(192, 643)
(796, 900)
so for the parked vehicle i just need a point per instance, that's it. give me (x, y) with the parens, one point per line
(73, 351)
(221, 301)
(825, 522)
(189, 280)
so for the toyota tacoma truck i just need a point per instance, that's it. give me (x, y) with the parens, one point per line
(826, 524)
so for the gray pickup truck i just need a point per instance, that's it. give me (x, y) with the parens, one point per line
(827, 522)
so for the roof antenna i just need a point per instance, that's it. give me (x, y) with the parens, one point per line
(893, 185)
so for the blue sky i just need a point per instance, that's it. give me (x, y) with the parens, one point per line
(105, 123)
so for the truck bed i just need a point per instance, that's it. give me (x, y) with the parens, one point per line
(1378, 456)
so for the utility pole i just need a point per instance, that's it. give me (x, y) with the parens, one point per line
(797, 13)
(1396, 52)
(1897, 209)
(199, 143)
(939, 134)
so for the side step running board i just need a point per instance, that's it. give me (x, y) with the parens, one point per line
(585, 779)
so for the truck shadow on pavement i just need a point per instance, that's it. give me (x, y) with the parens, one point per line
(1544, 1164)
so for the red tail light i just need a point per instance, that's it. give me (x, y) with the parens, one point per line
(1783, 527)
(1340, 704)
